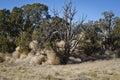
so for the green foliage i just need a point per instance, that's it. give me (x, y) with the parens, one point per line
(36, 12)
(16, 21)
(116, 34)
(4, 31)
(17, 26)
(91, 43)
(3, 44)
(24, 40)
(4, 22)
(108, 25)
(33, 22)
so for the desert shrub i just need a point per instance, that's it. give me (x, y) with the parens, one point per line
(3, 44)
(91, 49)
(116, 34)
(52, 58)
(23, 41)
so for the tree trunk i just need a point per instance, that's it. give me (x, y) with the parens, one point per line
(64, 60)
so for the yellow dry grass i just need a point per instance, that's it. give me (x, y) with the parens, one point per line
(98, 70)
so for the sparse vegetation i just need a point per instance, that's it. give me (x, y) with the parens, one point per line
(32, 41)
(32, 22)
(98, 70)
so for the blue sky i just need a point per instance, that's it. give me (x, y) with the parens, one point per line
(91, 8)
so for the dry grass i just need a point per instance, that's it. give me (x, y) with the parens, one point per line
(98, 70)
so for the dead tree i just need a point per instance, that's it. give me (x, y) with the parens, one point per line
(63, 29)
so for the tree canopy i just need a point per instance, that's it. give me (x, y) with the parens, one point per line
(21, 25)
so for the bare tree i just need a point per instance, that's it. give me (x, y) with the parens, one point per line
(63, 29)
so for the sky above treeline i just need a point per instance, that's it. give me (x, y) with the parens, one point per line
(91, 8)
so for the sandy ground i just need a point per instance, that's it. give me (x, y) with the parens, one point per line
(97, 70)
